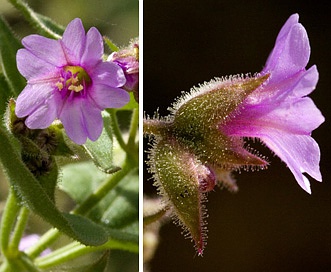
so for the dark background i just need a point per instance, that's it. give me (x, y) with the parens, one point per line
(271, 224)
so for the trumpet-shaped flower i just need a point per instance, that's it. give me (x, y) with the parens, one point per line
(279, 113)
(203, 139)
(67, 79)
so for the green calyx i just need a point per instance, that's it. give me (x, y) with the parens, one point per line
(190, 152)
(176, 175)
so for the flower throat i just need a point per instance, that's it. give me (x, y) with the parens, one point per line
(74, 78)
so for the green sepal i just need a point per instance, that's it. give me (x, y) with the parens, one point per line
(196, 122)
(9, 45)
(174, 171)
(101, 150)
(35, 197)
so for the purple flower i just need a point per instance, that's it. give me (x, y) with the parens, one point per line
(67, 79)
(202, 141)
(128, 60)
(279, 112)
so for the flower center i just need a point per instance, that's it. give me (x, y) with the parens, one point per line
(74, 78)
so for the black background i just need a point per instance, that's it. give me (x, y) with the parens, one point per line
(271, 224)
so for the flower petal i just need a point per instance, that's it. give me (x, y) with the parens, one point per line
(281, 108)
(44, 115)
(301, 154)
(32, 97)
(294, 19)
(33, 68)
(109, 97)
(307, 82)
(93, 49)
(291, 52)
(71, 117)
(93, 121)
(81, 120)
(46, 49)
(73, 41)
(108, 73)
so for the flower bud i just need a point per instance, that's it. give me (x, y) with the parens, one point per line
(128, 60)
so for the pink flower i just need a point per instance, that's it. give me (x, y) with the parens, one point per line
(67, 79)
(279, 112)
(128, 60)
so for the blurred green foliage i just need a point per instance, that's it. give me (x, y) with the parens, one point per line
(117, 19)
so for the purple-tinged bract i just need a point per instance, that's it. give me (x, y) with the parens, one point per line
(67, 80)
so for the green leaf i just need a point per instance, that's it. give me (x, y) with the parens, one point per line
(79, 180)
(45, 26)
(121, 206)
(118, 211)
(49, 181)
(36, 198)
(8, 49)
(101, 151)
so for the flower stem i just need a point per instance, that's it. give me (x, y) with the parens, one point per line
(154, 217)
(19, 229)
(15, 261)
(8, 219)
(133, 129)
(76, 249)
(155, 127)
(48, 238)
(116, 129)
